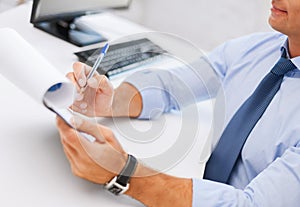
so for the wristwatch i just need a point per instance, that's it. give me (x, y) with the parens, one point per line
(120, 183)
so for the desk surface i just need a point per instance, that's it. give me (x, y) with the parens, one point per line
(34, 170)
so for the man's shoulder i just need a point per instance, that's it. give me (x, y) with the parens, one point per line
(245, 47)
(272, 34)
(260, 38)
(253, 43)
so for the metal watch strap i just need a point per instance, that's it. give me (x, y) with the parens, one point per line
(120, 184)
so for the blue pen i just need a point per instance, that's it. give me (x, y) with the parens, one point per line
(98, 61)
(96, 65)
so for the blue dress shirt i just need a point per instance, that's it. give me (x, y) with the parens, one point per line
(268, 170)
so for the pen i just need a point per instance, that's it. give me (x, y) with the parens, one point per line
(96, 65)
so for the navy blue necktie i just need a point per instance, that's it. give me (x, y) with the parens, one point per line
(226, 153)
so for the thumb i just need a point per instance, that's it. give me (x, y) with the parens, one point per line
(102, 134)
(103, 154)
(88, 127)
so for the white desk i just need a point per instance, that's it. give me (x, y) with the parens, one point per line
(34, 170)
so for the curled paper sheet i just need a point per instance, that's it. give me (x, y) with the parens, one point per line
(31, 72)
(22, 65)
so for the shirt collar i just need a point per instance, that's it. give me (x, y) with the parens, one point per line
(295, 60)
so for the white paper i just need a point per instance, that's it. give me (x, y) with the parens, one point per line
(32, 73)
(21, 64)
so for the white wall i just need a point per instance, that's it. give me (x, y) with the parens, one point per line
(206, 23)
(8, 4)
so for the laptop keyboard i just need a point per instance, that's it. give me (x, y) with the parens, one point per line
(122, 57)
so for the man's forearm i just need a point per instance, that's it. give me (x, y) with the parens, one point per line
(127, 101)
(156, 189)
(148, 186)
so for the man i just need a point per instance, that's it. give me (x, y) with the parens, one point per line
(267, 172)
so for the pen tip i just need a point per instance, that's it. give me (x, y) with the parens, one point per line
(105, 48)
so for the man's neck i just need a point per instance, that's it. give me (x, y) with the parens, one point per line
(294, 47)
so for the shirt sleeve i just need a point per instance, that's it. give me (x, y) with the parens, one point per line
(166, 90)
(278, 185)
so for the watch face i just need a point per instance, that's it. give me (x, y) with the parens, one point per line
(115, 190)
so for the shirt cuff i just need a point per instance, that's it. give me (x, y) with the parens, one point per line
(213, 194)
(153, 97)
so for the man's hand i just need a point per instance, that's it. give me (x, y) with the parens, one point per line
(99, 99)
(96, 99)
(98, 162)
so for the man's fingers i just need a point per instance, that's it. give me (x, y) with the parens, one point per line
(69, 136)
(67, 146)
(89, 128)
(101, 83)
(78, 96)
(101, 133)
(106, 86)
(72, 160)
(63, 127)
(80, 72)
(69, 151)
(78, 66)
(106, 155)
(71, 77)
